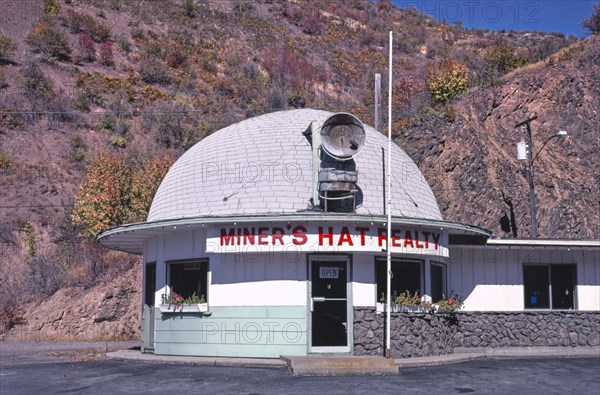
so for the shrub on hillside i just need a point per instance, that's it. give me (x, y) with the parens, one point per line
(87, 47)
(58, 109)
(78, 23)
(311, 24)
(45, 275)
(77, 149)
(36, 85)
(51, 7)
(5, 161)
(7, 48)
(175, 55)
(3, 83)
(592, 24)
(153, 71)
(174, 123)
(106, 54)
(48, 39)
(287, 69)
(500, 58)
(447, 80)
(10, 303)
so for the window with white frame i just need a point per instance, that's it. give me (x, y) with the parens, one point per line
(549, 286)
(187, 278)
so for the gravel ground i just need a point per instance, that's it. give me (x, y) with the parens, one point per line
(21, 353)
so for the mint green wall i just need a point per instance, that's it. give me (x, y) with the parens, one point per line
(262, 332)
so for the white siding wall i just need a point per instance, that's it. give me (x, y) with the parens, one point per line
(491, 279)
(258, 280)
(488, 278)
(364, 288)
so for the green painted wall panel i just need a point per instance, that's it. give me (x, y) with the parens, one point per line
(228, 350)
(215, 336)
(228, 324)
(268, 331)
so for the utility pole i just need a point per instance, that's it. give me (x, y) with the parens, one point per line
(534, 226)
(377, 101)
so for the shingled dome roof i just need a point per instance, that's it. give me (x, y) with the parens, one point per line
(262, 166)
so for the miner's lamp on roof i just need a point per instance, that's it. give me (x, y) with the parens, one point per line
(342, 136)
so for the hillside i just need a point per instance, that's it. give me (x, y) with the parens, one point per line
(138, 80)
(471, 162)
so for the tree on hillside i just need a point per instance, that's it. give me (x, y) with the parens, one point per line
(115, 191)
(593, 22)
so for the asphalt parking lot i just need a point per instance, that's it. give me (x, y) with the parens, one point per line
(522, 376)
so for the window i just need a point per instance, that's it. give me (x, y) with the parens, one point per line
(150, 284)
(438, 281)
(549, 286)
(188, 278)
(406, 275)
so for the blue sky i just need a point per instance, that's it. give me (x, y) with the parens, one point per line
(563, 16)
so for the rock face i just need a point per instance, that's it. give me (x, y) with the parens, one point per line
(418, 334)
(471, 162)
(108, 311)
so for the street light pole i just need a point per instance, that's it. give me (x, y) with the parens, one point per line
(531, 158)
(530, 171)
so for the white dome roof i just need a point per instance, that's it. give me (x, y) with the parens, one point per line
(262, 166)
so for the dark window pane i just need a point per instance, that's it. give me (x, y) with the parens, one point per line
(150, 284)
(406, 275)
(535, 279)
(563, 286)
(329, 279)
(189, 278)
(329, 324)
(438, 286)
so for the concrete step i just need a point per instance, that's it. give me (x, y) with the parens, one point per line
(339, 365)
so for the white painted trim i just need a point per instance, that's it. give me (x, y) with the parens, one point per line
(544, 243)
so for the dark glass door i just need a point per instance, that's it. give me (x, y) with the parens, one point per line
(329, 310)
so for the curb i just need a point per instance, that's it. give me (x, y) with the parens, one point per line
(470, 354)
(460, 355)
(135, 355)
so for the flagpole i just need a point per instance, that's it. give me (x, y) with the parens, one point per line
(388, 244)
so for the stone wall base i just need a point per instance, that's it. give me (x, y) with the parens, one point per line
(423, 334)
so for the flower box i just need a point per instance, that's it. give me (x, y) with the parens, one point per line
(382, 307)
(183, 308)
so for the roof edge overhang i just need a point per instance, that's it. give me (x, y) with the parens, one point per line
(572, 243)
(131, 237)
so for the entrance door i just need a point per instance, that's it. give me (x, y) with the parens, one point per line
(148, 313)
(329, 316)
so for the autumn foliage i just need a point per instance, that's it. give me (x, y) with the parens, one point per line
(48, 39)
(447, 80)
(115, 191)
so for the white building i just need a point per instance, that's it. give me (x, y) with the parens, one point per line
(285, 241)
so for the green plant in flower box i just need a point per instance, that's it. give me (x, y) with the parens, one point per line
(174, 298)
(451, 304)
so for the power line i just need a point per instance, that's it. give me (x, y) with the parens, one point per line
(39, 206)
(136, 113)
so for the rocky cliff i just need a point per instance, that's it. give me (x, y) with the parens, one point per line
(470, 160)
